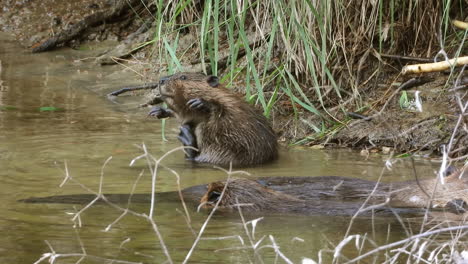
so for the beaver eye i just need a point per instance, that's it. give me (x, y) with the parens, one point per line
(214, 196)
(183, 77)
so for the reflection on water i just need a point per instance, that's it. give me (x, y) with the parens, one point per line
(86, 128)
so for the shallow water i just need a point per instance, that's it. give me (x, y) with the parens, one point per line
(87, 129)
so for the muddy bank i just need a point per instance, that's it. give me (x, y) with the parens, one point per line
(33, 21)
(406, 128)
(47, 25)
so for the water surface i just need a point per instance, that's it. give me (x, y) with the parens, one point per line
(86, 129)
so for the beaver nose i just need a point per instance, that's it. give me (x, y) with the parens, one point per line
(214, 196)
(163, 80)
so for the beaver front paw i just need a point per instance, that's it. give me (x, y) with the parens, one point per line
(160, 112)
(188, 139)
(198, 104)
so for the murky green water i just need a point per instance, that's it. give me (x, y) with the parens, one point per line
(88, 128)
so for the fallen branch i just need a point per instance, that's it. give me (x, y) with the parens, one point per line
(409, 239)
(92, 20)
(398, 57)
(460, 24)
(436, 66)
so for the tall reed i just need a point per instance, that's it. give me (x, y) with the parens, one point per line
(320, 54)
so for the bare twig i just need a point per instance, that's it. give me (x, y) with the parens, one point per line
(398, 57)
(362, 208)
(202, 229)
(53, 255)
(400, 242)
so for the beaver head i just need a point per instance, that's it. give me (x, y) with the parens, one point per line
(248, 194)
(173, 87)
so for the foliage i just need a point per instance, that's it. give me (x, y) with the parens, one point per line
(404, 101)
(319, 55)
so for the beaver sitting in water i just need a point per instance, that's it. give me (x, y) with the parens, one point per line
(219, 124)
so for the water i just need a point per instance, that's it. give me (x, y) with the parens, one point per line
(87, 129)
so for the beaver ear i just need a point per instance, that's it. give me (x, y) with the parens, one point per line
(213, 81)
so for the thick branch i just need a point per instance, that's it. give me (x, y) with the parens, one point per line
(92, 20)
(436, 66)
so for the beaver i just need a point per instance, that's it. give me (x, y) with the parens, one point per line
(280, 197)
(253, 197)
(218, 123)
(307, 195)
(324, 195)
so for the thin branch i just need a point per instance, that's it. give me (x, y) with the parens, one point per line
(426, 234)
(202, 229)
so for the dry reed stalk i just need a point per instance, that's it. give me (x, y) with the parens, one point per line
(435, 66)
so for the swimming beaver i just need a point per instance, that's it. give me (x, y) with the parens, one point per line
(281, 196)
(331, 195)
(307, 195)
(294, 198)
(222, 126)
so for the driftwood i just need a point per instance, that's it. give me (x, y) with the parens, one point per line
(436, 66)
(460, 24)
(121, 7)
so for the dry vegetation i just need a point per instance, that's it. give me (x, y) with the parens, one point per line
(428, 240)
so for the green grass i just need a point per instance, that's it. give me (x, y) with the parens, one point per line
(308, 52)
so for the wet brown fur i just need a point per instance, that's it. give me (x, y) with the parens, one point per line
(324, 195)
(332, 194)
(253, 197)
(250, 194)
(232, 131)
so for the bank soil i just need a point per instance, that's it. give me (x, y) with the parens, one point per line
(382, 116)
(399, 124)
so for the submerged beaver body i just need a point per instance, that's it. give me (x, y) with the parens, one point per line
(336, 195)
(325, 195)
(219, 124)
(252, 196)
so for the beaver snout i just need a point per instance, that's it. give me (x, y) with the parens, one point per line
(163, 80)
(213, 197)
